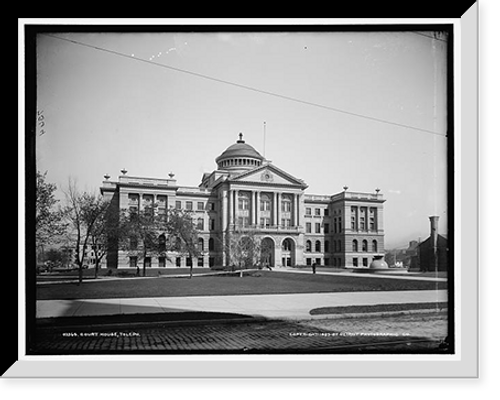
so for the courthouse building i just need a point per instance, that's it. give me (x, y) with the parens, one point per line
(247, 193)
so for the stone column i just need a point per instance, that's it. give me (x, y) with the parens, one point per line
(275, 207)
(236, 194)
(257, 208)
(296, 210)
(230, 207)
(224, 210)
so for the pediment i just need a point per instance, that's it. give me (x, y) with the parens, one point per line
(269, 174)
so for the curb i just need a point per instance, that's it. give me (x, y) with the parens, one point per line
(378, 314)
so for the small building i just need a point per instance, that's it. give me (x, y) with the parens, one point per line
(433, 251)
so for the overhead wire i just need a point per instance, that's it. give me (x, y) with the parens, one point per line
(211, 78)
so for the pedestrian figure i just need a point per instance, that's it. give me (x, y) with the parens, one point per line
(314, 268)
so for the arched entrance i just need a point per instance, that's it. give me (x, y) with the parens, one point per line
(267, 252)
(288, 252)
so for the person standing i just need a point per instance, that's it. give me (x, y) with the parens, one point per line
(314, 268)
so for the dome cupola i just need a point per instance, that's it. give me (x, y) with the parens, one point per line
(239, 156)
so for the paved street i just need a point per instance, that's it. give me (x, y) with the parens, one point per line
(254, 337)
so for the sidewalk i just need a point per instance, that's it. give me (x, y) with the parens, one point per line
(409, 276)
(279, 306)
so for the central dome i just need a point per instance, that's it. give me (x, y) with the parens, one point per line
(239, 156)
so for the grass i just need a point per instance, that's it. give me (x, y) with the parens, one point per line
(263, 282)
(379, 308)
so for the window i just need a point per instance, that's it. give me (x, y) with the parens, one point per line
(286, 205)
(308, 246)
(327, 246)
(286, 222)
(177, 261)
(132, 262)
(354, 245)
(327, 261)
(201, 244)
(243, 203)
(365, 262)
(200, 225)
(308, 211)
(211, 245)
(212, 206)
(317, 211)
(327, 228)
(335, 225)
(200, 261)
(162, 262)
(287, 245)
(178, 205)
(364, 246)
(201, 206)
(243, 221)
(327, 212)
(308, 261)
(265, 203)
(355, 261)
(162, 243)
(375, 246)
(189, 205)
(308, 227)
(340, 225)
(318, 261)
(317, 246)
(318, 227)
(265, 222)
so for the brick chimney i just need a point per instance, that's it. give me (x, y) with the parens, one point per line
(434, 241)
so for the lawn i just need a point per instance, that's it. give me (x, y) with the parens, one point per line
(263, 282)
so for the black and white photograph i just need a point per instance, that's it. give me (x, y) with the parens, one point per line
(241, 190)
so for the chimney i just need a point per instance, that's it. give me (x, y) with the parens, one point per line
(434, 241)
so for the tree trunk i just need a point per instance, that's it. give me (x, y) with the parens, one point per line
(80, 274)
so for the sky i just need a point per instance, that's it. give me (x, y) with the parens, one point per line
(364, 109)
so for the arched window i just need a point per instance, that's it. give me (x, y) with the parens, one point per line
(354, 245)
(201, 244)
(375, 246)
(211, 245)
(287, 245)
(265, 202)
(308, 246)
(286, 204)
(317, 246)
(200, 225)
(365, 246)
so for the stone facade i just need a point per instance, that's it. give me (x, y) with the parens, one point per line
(247, 193)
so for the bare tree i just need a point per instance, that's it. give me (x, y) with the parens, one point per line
(180, 226)
(244, 249)
(49, 222)
(150, 232)
(141, 231)
(83, 212)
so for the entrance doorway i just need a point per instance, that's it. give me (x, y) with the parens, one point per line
(267, 252)
(288, 252)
